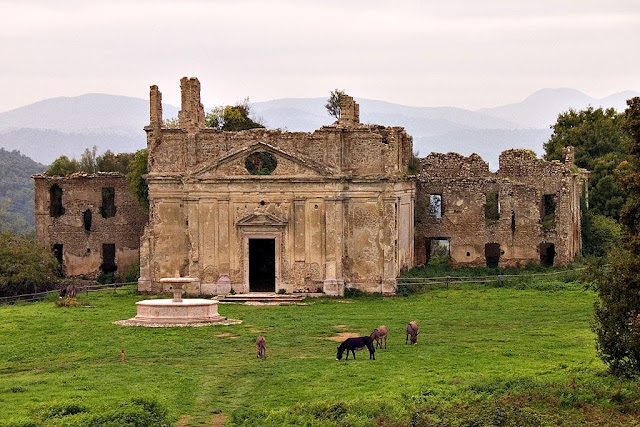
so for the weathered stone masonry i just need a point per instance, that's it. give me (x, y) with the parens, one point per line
(344, 206)
(337, 209)
(91, 221)
(524, 233)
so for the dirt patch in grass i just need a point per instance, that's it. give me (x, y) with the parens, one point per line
(343, 336)
(217, 420)
(340, 326)
(183, 421)
(225, 334)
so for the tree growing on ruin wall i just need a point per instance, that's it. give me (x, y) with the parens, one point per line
(334, 102)
(232, 118)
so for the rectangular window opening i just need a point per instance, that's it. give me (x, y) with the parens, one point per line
(548, 211)
(492, 207)
(108, 208)
(56, 209)
(435, 205)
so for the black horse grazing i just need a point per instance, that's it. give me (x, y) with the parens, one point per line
(356, 344)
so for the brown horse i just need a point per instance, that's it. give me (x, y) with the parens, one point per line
(412, 331)
(378, 334)
(261, 347)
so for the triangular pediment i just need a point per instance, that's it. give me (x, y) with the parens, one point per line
(232, 163)
(262, 219)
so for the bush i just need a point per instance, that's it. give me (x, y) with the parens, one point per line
(25, 266)
(132, 274)
(600, 234)
(138, 412)
(108, 278)
(62, 410)
(353, 293)
(406, 290)
(18, 423)
(617, 311)
(67, 302)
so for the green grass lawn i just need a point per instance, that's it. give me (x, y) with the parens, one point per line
(478, 345)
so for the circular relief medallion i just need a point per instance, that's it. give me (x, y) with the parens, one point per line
(260, 163)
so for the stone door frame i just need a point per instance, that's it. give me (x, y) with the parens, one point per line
(269, 233)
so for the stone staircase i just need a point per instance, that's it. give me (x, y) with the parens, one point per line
(263, 298)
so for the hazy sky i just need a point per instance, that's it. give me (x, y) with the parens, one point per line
(464, 53)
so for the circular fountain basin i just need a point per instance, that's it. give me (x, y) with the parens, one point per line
(189, 310)
(177, 311)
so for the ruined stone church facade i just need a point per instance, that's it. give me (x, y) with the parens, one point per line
(345, 206)
(268, 210)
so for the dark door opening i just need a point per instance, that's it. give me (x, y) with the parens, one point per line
(58, 253)
(492, 254)
(108, 258)
(547, 253)
(262, 265)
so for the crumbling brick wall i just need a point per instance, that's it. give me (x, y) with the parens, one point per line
(87, 221)
(521, 230)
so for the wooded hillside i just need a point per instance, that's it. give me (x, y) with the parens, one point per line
(16, 191)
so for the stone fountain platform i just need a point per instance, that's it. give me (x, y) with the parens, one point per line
(177, 311)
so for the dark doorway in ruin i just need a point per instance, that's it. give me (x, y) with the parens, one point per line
(547, 253)
(492, 254)
(262, 265)
(55, 201)
(57, 252)
(108, 258)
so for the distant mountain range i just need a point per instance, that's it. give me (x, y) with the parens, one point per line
(67, 125)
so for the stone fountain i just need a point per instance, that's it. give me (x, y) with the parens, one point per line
(177, 311)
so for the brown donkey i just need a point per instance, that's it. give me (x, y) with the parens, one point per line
(261, 347)
(412, 331)
(378, 334)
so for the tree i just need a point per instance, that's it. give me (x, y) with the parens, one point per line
(62, 166)
(232, 118)
(25, 266)
(599, 141)
(110, 162)
(617, 310)
(137, 184)
(334, 101)
(87, 161)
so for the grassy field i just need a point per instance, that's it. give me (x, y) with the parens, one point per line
(482, 350)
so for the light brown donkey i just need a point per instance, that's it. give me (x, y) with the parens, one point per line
(378, 334)
(261, 347)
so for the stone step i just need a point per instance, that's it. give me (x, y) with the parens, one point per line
(265, 297)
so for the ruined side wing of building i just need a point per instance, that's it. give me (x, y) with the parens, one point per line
(267, 210)
(528, 212)
(91, 222)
